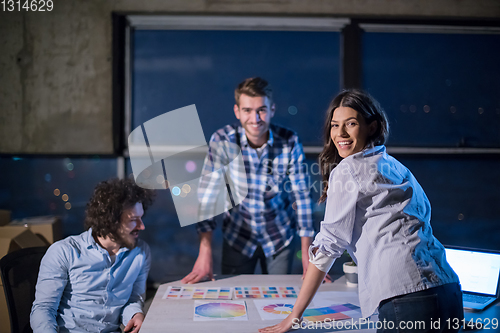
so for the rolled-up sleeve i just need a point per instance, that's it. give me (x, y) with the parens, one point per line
(336, 231)
(299, 179)
(135, 303)
(52, 279)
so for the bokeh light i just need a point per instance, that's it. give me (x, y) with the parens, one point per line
(70, 166)
(48, 177)
(67, 205)
(480, 110)
(461, 217)
(427, 108)
(176, 190)
(190, 166)
(65, 197)
(292, 110)
(160, 179)
(299, 254)
(186, 188)
(453, 109)
(57, 192)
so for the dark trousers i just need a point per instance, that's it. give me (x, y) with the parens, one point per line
(437, 309)
(234, 262)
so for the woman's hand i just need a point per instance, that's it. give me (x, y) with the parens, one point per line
(282, 327)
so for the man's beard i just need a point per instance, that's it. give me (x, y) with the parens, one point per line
(123, 240)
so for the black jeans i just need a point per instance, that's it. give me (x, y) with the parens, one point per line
(437, 309)
(234, 262)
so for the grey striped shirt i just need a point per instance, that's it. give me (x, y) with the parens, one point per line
(378, 211)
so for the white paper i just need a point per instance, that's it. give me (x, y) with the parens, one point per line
(214, 311)
(272, 309)
(191, 292)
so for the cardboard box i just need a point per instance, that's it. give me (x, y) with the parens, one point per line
(48, 228)
(13, 238)
(4, 217)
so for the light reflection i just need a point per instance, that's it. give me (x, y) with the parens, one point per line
(48, 177)
(176, 190)
(70, 166)
(160, 179)
(190, 166)
(413, 108)
(461, 216)
(67, 205)
(65, 197)
(186, 188)
(480, 110)
(57, 192)
(453, 109)
(292, 110)
(427, 108)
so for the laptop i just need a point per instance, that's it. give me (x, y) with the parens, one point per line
(479, 274)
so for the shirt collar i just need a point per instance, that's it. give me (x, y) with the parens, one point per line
(91, 243)
(244, 139)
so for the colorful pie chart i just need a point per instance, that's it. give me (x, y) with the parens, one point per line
(220, 310)
(279, 308)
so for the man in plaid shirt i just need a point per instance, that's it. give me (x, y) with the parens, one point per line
(278, 204)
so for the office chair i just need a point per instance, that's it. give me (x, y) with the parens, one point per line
(19, 271)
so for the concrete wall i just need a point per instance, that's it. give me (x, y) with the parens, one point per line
(55, 67)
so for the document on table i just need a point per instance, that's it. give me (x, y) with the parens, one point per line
(198, 293)
(211, 310)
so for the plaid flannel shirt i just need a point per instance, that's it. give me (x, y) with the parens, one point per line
(278, 203)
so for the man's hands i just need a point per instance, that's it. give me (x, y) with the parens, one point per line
(134, 324)
(203, 266)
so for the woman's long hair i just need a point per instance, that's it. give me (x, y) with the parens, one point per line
(371, 111)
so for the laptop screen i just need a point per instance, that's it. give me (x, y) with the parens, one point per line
(478, 271)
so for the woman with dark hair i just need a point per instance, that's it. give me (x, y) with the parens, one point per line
(379, 213)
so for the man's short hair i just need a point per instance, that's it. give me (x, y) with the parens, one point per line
(108, 202)
(253, 87)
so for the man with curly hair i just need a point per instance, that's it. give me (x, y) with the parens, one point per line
(95, 281)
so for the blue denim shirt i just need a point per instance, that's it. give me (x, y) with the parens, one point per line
(378, 211)
(79, 289)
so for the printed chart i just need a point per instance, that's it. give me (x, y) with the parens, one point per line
(265, 292)
(332, 312)
(208, 311)
(271, 309)
(197, 293)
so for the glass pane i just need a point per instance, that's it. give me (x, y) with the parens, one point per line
(37, 186)
(464, 197)
(173, 69)
(439, 90)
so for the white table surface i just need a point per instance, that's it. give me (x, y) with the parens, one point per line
(166, 315)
